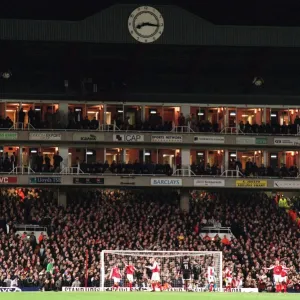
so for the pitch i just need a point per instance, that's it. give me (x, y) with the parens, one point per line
(146, 296)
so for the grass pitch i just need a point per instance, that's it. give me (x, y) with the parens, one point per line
(145, 296)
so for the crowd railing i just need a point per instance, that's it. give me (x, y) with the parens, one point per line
(180, 172)
(234, 130)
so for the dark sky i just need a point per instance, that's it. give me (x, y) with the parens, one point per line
(228, 12)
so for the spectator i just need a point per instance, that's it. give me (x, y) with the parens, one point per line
(57, 161)
(76, 282)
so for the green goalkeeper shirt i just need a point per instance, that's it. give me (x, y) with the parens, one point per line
(50, 267)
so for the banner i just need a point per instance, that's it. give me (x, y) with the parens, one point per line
(88, 180)
(8, 136)
(9, 289)
(251, 183)
(287, 184)
(7, 179)
(46, 180)
(149, 289)
(88, 137)
(44, 136)
(209, 182)
(165, 138)
(81, 289)
(242, 140)
(210, 139)
(278, 141)
(166, 182)
(131, 138)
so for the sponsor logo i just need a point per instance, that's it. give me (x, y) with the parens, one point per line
(166, 138)
(240, 140)
(166, 182)
(261, 141)
(42, 180)
(81, 289)
(209, 139)
(87, 137)
(251, 183)
(209, 182)
(9, 289)
(4, 180)
(88, 180)
(8, 136)
(147, 289)
(44, 136)
(91, 137)
(287, 184)
(131, 138)
(286, 141)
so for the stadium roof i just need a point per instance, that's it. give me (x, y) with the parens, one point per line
(232, 12)
(42, 67)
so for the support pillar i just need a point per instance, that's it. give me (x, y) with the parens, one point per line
(284, 157)
(185, 110)
(265, 158)
(206, 157)
(64, 153)
(264, 119)
(20, 157)
(143, 113)
(226, 118)
(185, 200)
(226, 160)
(62, 198)
(64, 110)
(123, 156)
(185, 161)
(104, 154)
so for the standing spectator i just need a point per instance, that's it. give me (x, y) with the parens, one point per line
(13, 159)
(21, 118)
(57, 161)
(41, 237)
(31, 116)
(76, 282)
(181, 121)
(8, 281)
(178, 161)
(39, 162)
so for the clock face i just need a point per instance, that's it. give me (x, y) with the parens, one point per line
(146, 24)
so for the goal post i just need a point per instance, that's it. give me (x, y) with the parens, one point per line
(169, 263)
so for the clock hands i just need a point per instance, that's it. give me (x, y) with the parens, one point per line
(139, 26)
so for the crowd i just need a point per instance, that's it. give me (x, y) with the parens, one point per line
(74, 119)
(7, 163)
(95, 220)
(253, 170)
(126, 168)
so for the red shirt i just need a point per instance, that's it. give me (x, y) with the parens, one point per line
(228, 274)
(283, 273)
(129, 270)
(155, 268)
(116, 272)
(277, 270)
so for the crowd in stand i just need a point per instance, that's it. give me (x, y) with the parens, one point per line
(76, 121)
(252, 170)
(95, 220)
(7, 163)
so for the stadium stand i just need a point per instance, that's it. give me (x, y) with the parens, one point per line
(54, 120)
(95, 220)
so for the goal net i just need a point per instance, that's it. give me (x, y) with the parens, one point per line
(170, 269)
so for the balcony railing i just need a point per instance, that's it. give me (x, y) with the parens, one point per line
(175, 129)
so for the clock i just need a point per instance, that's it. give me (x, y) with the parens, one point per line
(146, 24)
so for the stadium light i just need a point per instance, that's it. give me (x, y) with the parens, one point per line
(6, 75)
(258, 81)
